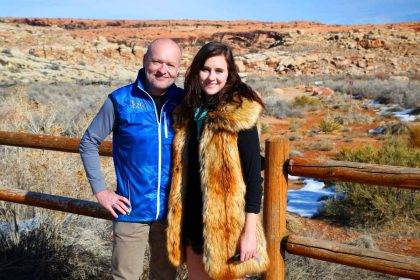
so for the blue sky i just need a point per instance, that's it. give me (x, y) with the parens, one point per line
(332, 11)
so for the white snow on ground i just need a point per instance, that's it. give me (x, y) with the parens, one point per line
(25, 225)
(307, 201)
(405, 115)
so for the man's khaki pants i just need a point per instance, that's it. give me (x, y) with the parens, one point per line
(129, 245)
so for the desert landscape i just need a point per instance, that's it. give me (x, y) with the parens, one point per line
(345, 92)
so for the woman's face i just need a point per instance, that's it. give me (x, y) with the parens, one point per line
(213, 75)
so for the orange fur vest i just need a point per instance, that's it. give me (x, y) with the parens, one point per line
(223, 191)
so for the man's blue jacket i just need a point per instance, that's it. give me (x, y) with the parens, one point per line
(142, 150)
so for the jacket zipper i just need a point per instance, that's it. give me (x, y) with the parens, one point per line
(165, 125)
(158, 119)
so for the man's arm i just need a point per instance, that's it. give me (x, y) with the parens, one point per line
(101, 126)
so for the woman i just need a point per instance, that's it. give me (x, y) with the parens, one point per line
(215, 194)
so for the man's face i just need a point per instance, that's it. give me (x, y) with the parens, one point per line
(161, 66)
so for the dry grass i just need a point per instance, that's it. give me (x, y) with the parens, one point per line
(69, 248)
(384, 91)
(376, 206)
(301, 268)
(60, 246)
(322, 145)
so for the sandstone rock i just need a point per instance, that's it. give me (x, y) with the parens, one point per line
(241, 66)
(38, 52)
(273, 62)
(3, 62)
(339, 58)
(322, 91)
(124, 51)
(309, 89)
(351, 45)
(251, 57)
(341, 63)
(371, 43)
(280, 68)
(361, 63)
(138, 51)
(286, 61)
(369, 56)
(288, 41)
(298, 61)
(312, 58)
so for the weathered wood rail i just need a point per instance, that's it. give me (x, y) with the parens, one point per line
(277, 167)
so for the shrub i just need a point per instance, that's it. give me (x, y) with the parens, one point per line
(265, 127)
(277, 108)
(352, 117)
(328, 125)
(367, 205)
(304, 101)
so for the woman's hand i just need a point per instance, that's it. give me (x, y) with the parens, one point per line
(248, 245)
(248, 239)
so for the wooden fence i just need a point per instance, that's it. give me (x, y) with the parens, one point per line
(277, 167)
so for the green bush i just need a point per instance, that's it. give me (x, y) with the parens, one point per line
(367, 205)
(329, 125)
(303, 101)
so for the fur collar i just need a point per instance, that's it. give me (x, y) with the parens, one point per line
(230, 117)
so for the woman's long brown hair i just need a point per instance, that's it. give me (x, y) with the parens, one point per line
(233, 91)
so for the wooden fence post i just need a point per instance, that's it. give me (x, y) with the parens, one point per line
(275, 204)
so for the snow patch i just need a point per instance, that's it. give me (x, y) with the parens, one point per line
(307, 201)
(22, 226)
(406, 115)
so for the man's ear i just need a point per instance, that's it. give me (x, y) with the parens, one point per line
(144, 59)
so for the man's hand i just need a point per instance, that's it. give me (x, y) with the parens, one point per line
(112, 201)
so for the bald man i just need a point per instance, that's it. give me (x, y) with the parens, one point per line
(139, 116)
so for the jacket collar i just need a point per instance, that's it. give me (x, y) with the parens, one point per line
(172, 91)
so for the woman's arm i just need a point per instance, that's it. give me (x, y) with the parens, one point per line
(249, 151)
(248, 241)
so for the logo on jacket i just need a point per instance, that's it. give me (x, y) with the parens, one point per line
(134, 104)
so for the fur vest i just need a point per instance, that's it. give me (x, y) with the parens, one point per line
(223, 191)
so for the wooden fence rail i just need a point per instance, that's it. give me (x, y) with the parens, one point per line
(277, 168)
(55, 202)
(333, 170)
(395, 176)
(374, 260)
(48, 142)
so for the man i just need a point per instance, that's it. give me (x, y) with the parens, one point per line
(139, 115)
